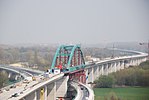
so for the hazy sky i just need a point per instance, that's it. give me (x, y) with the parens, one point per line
(73, 21)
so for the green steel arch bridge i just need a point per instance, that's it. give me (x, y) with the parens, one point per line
(71, 60)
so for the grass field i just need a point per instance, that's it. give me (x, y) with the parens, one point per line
(128, 93)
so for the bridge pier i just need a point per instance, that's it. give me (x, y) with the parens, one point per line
(86, 73)
(128, 64)
(115, 69)
(31, 96)
(109, 68)
(45, 92)
(112, 67)
(61, 87)
(122, 64)
(100, 70)
(139, 61)
(94, 68)
(118, 66)
(125, 63)
(133, 62)
(89, 75)
(105, 69)
(92, 74)
(9, 75)
(97, 75)
(49, 91)
(17, 77)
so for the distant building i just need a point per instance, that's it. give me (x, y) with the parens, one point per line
(90, 58)
(20, 64)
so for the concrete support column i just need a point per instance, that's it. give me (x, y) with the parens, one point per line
(92, 73)
(105, 71)
(139, 61)
(38, 94)
(31, 96)
(126, 63)
(122, 64)
(115, 67)
(35, 97)
(97, 72)
(112, 67)
(119, 66)
(9, 75)
(145, 58)
(45, 92)
(86, 73)
(132, 62)
(129, 63)
(136, 62)
(108, 68)
(89, 75)
(102, 69)
(61, 87)
(51, 91)
(16, 77)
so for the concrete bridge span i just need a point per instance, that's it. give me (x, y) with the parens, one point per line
(12, 72)
(104, 67)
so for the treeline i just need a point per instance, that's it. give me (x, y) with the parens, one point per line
(133, 76)
(102, 52)
(39, 56)
(42, 56)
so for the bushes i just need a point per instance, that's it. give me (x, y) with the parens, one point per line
(3, 78)
(104, 82)
(134, 76)
(145, 65)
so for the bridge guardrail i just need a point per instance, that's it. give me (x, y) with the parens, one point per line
(91, 92)
(78, 96)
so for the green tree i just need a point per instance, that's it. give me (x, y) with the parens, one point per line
(104, 82)
(3, 78)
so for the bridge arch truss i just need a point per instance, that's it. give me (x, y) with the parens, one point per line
(70, 57)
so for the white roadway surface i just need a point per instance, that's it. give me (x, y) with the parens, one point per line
(21, 87)
(81, 94)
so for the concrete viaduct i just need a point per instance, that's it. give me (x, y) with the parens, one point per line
(56, 85)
